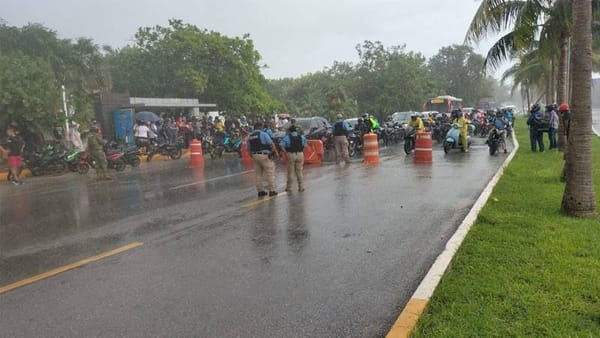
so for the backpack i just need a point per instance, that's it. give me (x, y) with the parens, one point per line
(542, 122)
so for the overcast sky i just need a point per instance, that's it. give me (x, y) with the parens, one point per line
(293, 37)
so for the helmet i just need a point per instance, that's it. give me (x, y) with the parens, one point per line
(550, 107)
(414, 115)
(563, 107)
(365, 115)
(339, 116)
(499, 112)
(535, 107)
(456, 112)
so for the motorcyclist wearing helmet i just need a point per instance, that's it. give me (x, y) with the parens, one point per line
(535, 136)
(459, 119)
(501, 125)
(368, 123)
(565, 115)
(416, 122)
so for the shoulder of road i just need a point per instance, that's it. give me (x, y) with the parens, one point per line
(524, 269)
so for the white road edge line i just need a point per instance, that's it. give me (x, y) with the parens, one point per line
(429, 283)
(595, 131)
(210, 180)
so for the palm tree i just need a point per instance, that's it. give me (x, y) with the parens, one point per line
(522, 18)
(579, 197)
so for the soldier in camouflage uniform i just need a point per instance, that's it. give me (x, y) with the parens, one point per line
(95, 145)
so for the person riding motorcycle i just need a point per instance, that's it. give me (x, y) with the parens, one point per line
(459, 119)
(501, 125)
(416, 122)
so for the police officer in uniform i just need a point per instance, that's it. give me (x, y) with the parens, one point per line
(293, 145)
(263, 151)
(95, 146)
(341, 129)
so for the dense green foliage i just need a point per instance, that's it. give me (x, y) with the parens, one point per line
(386, 80)
(184, 61)
(34, 63)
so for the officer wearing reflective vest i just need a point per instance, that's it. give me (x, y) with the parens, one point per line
(293, 145)
(263, 151)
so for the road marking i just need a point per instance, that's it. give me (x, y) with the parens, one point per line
(408, 318)
(210, 180)
(263, 200)
(68, 267)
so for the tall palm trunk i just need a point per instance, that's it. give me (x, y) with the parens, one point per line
(563, 76)
(579, 199)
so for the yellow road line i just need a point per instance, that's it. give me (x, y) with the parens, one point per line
(408, 318)
(68, 267)
(263, 200)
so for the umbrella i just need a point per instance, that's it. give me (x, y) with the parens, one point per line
(145, 116)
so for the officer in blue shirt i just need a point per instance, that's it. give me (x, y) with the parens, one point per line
(263, 151)
(341, 129)
(293, 145)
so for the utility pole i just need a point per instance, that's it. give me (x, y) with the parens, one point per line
(64, 98)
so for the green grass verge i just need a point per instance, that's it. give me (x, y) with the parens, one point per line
(524, 269)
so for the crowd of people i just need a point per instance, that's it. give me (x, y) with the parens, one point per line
(547, 122)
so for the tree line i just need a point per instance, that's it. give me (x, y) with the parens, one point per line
(385, 80)
(182, 60)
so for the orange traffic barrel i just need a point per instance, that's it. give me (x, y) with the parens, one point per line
(245, 152)
(371, 148)
(196, 156)
(313, 153)
(423, 148)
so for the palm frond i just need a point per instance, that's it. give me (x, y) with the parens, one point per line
(501, 51)
(493, 16)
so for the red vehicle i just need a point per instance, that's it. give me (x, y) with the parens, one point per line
(443, 104)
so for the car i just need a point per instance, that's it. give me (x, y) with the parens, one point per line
(401, 118)
(315, 127)
(352, 122)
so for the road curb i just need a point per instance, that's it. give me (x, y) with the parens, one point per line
(416, 305)
(595, 131)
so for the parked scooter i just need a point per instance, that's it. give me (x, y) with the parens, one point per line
(166, 149)
(71, 159)
(453, 140)
(115, 161)
(49, 161)
(228, 145)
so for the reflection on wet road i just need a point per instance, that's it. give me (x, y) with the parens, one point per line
(339, 259)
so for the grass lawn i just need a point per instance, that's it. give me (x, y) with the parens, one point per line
(524, 269)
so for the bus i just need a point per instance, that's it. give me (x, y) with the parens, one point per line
(443, 104)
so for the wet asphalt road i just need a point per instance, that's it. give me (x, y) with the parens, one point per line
(340, 259)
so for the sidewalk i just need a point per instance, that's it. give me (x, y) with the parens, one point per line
(524, 269)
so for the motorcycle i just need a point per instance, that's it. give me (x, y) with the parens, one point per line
(440, 130)
(354, 144)
(409, 140)
(227, 146)
(71, 159)
(114, 158)
(495, 141)
(453, 140)
(166, 149)
(49, 161)
(131, 154)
